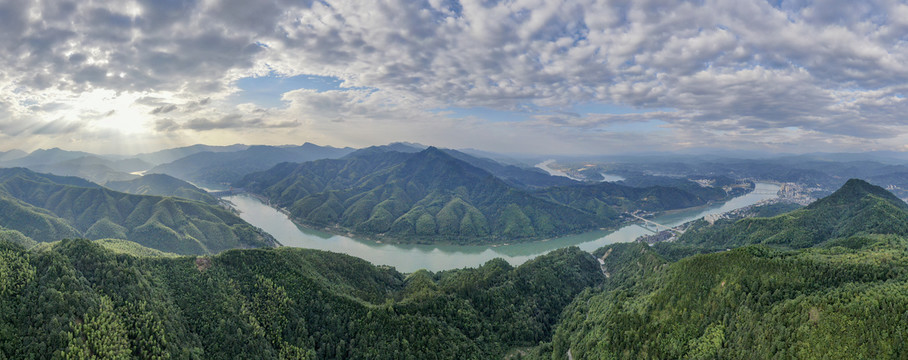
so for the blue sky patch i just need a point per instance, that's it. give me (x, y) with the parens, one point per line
(266, 91)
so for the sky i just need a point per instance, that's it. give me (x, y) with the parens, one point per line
(521, 76)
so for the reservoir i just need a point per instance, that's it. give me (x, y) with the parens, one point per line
(409, 258)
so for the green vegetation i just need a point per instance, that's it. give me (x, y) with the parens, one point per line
(433, 197)
(607, 199)
(421, 197)
(856, 208)
(162, 185)
(48, 208)
(77, 298)
(130, 248)
(754, 302)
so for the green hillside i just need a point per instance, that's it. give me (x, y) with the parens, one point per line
(856, 208)
(422, 197)
(607, 198)
(79, 299)
(754, 302)
(45, 208)
(162, 185)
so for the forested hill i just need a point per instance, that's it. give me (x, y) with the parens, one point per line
(856, 208)
(49, 208)
(848, 300)
(431, 196)
(163, 185)
(608, 199)
(427, 196)
(78, 300)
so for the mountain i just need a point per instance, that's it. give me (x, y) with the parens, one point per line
(527, 178)
(427, 196)
(432, 196)
(162, 185)
(609, 199)
(49, 208)
(169, 155)
(77, 298)
(81, 164)
(523, 177)
(214, 169)
(11, 155)
(45, 156)
(856, 208)
(87, 167)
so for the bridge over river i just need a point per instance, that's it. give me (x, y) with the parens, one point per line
(655, 224)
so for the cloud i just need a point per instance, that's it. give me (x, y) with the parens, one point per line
(232, 121)
(747, 71)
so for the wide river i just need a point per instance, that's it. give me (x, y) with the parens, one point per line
(409, 258)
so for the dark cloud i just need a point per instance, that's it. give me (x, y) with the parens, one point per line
(232, 121)
(163, 109)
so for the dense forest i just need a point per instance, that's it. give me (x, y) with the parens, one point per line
(431, 196)
(48, 208)
(78, 299)
(847, 299)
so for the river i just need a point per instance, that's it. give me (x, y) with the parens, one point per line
(409, 258)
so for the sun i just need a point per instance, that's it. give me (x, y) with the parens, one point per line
(111, 110)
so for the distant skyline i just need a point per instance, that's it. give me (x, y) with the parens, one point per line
(523, 76)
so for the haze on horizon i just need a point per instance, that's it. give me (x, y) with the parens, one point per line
(528, 76)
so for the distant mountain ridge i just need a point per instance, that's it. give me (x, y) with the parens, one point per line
(162, 185)
(169, 155)
(95, 168)
(214, 169)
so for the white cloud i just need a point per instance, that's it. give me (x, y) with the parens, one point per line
(742, 73)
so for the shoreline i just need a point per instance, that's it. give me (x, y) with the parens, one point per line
(380, 240)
